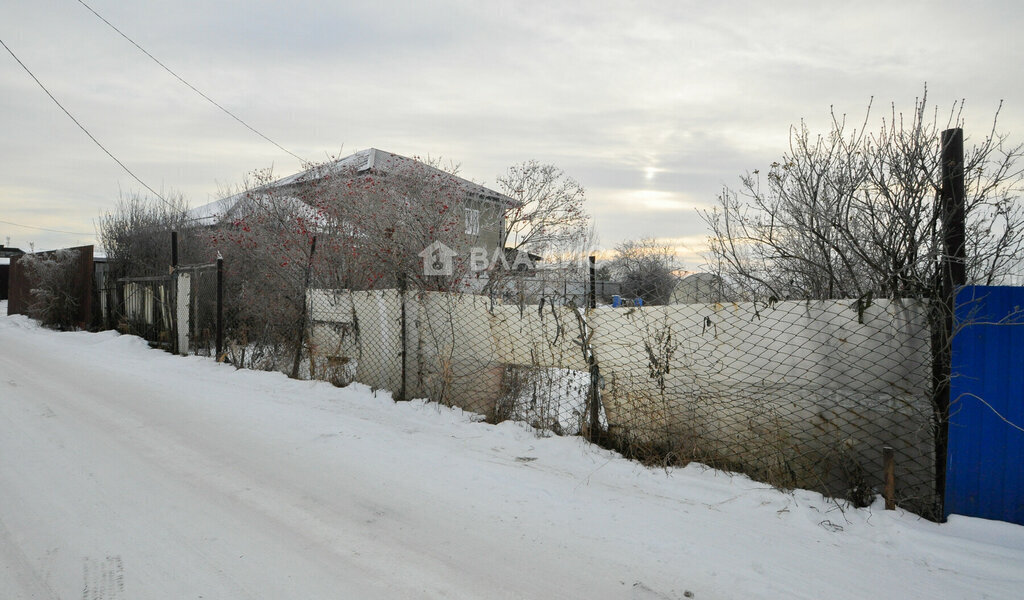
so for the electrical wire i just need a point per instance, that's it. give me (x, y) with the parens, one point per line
(190, 86)
(82, 127)
(44, 229)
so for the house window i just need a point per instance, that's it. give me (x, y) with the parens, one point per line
(472, 221)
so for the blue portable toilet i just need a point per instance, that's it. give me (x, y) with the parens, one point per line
(616, 301)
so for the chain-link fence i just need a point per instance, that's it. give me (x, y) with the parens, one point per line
(798, 394)
(176, 312)
(144, 306)
(795, 393)
(531, 288)
(196, 308)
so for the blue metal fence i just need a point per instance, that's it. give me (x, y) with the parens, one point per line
(985, 461)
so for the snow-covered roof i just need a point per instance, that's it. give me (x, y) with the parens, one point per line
(364, 160)
(212, 213)
(370, 159)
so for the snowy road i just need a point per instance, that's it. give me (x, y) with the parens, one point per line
(126, 473)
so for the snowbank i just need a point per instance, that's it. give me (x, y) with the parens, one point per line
(143, 475)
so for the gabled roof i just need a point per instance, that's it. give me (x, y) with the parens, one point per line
(242, 204)
(370, 160)
(379, 161)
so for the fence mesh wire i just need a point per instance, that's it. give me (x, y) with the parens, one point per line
(797, 393)
(196, 308)
(177, 312)
(144, 306)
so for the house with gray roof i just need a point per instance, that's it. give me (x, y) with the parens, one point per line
(483, 208)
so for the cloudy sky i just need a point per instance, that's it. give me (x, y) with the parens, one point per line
(652, 106)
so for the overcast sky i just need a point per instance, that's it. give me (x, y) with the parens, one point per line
(652, 106)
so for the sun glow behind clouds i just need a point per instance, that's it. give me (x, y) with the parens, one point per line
(658, 200)
(688, 250)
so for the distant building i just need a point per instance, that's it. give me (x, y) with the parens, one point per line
(701, 288)
(6, 254)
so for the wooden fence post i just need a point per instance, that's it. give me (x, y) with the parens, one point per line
(889, 462)
(951, 274)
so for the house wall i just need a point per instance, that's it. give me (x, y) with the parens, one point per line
(491, 218)
(490, 225)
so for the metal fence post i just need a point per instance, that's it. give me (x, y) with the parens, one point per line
(173, 291)
(405, 337)
(302, 318)
(220, 308)
(593, 285)
(595, 371)
(174, 249)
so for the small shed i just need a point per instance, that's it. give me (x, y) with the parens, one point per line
(701, 288)
(6, 254)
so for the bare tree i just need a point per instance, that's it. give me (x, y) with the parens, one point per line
(391, 218)
(54, 297)
(136, 236)
(267, 241)
(549, 218)
(853, 212)
(647, 270)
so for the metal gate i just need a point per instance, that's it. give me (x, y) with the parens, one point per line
(177, 312)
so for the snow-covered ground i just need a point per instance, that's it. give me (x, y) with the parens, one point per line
(129, 473)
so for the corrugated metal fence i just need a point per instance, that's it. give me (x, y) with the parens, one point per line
(985, 460)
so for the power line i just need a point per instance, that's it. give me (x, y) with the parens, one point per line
(80, 126)
(190, 86)
(44, 229)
